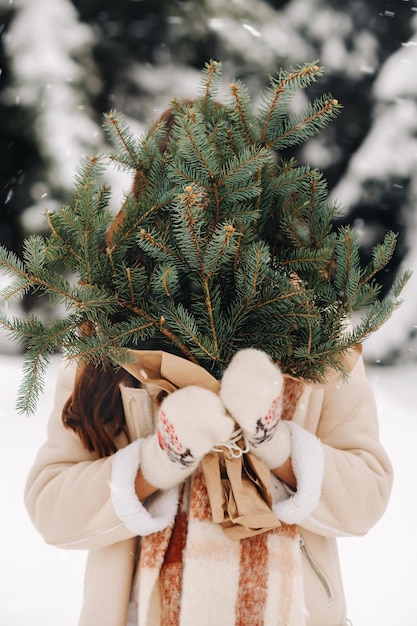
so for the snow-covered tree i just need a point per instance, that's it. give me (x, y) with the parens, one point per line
(54, 78)
(18, 150)
(386, 162)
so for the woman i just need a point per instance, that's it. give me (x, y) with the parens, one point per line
(129, 473)
(120, 476)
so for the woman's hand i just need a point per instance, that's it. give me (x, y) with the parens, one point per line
(191, 422)
(252, 391)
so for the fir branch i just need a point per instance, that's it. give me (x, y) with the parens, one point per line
(159, 323)
(10, 263)
(109, 339)
(347, 275)
(150, 242)
(167, 278)
(243, 111)
(378, 313)
(204, 156)
(211, 75)
(248, 279)
(295, 79)
(63, 246)
(184, 325)
(381, 256)
(134, 221)
(40, 343)
(130, 283)
(54, 284)
(303, 259)
(14, 267)
(239, 176)
(176, 341)
(33, 382)
(89, 168)
(220, 249)
(291, 179)
(121, 135)
(305, 125)
(188, 223)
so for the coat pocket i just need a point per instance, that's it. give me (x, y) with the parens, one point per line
(318, 573)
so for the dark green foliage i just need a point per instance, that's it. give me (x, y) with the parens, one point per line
(223, 246)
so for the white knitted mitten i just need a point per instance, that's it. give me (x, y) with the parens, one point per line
(252, 391)
(191, 422)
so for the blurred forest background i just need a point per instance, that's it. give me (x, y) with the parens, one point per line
(63, 63)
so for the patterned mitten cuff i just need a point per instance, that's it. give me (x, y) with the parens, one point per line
(156, 467)
(275, 451)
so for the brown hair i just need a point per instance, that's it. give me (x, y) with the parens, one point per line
(94, 411)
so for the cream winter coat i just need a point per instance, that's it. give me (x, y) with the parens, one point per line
(80, 502)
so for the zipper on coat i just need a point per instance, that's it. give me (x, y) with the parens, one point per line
(318, 572)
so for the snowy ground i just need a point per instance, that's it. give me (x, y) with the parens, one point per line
(41, 585)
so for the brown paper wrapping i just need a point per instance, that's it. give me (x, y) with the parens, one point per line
(167, 371)
(238, 491)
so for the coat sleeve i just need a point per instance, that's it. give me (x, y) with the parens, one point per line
(68, 493)
(357, 477)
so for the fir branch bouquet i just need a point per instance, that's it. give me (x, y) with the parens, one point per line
(222, 245)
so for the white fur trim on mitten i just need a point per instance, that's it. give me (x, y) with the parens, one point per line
(307, 457)
(191, 422)
(141, 519)
(252, 391)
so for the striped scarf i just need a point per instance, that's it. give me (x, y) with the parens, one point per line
(203, 577)
(193, 573)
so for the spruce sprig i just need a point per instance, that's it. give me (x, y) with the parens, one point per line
(221, 244)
